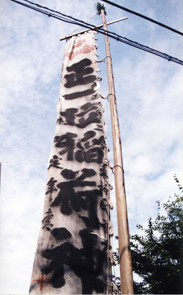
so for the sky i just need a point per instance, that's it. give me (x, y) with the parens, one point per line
(149, 100)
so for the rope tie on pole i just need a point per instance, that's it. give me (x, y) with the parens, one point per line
(106, 57)
(109, 95)
(99, 60)
(118, 166)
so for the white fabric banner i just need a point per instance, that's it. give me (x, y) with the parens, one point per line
(73, 245)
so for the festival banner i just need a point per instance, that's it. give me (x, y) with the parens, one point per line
(73, 251)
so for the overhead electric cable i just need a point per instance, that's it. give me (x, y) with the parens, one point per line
(146, 48)
(57, 12)
(69, 19)
(87, 22)
(143, 16)
(42, 11)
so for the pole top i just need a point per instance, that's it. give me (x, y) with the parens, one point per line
(99, 6)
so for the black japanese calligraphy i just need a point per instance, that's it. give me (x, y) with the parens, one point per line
(90, 204)
(104, 204)
(92, 155)
(87, 150)
(51, 187)
(79, 94)
(103, 171)
(80, 70)
(87, 263)
(61, 233)
(47, 220)
(73, 240)
(104, 187)
(66, 142)
(81, 118)
(94, 115)
(69, 115)
(67, 198)
(54, 162)
(79, 75)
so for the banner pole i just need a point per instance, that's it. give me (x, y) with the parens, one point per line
(122, 216)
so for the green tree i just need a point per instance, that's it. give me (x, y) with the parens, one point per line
(157, 255)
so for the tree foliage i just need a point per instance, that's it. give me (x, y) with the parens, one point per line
(157, 255)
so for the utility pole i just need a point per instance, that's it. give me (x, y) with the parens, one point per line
(122, 216)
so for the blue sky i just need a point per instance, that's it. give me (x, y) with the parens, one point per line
(149, 98)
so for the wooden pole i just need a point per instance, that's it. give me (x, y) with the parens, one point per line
(0, 178)
(122, 217)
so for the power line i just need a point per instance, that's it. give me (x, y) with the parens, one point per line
(57, 12)
(37, 9)
(147, 49)
(69, 19)
(143, 16)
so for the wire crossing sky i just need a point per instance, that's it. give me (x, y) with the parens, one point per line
(113, 35)
(143, 16)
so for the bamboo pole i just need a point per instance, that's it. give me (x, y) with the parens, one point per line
(122, 217)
